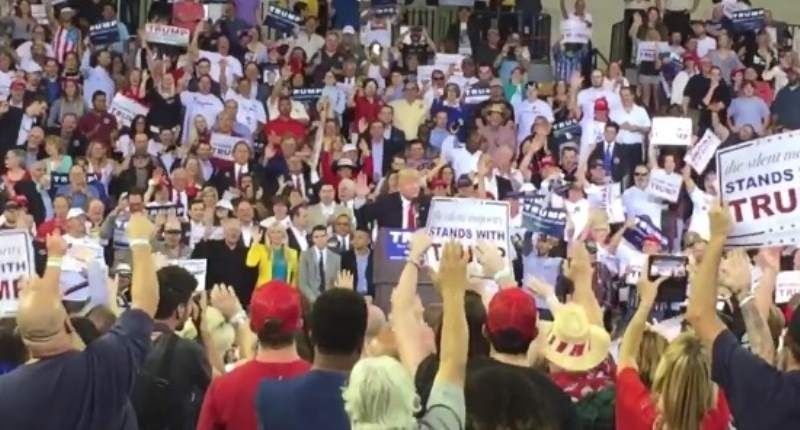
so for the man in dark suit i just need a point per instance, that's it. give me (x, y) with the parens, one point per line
(226, 259)
(231, 177)
(299, 178)
(358, 261)
(383, 149)
(404, 209)
(15, 123)
(466, 22)
(611, 153)
(297, 233)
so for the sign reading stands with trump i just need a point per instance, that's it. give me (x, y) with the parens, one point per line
(470, 222)
(760, 182)
(16, 262)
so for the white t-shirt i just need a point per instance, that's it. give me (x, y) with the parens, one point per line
(637, 117)
(639, 202)
(206, 105)
(250, 111)
(699, 222)
(233, 70)
(526, 112)
(706, 45)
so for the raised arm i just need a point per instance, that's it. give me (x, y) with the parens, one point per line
(405, 318)
(701, 312)
(579, 270)
(633, 333)
(319, 135)
(564, 13)
(452, 282)
(144, 283)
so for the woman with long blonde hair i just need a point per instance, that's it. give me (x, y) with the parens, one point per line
(682, 396)
(274, 259)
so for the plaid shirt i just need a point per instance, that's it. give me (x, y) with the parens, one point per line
(566, 63)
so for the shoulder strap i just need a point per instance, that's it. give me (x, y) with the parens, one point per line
(163, 368)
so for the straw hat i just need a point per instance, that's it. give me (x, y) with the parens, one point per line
(573, 343)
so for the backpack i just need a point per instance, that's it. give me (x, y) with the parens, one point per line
(596, 410)
(151, 396)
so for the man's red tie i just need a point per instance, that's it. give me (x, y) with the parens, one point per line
(411, 219)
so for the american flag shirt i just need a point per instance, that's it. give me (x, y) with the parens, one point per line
(64, 41)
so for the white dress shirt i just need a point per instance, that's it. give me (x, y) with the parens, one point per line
(239, 170)
(637, 116)
(406, 204)
(639, 202)
(300, 237)
(247, 233)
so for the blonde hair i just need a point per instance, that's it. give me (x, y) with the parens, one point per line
(380, 394)
(683, 384)
(651, 349)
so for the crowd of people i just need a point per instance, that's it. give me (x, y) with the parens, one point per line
(203, 192)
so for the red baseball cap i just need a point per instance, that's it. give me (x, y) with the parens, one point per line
(547, 160)
(652, 238)
(601, 104)
(276, 301)
(513, 309)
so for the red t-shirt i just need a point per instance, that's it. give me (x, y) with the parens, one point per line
(366, 109)
(634, 409)
(283, 126)
(230, 400)
(187, 14)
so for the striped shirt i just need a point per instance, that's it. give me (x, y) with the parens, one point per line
(565, 64)
(65, 40)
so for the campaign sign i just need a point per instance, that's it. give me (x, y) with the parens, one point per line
(646, 52)
(166, 34)
(787, 285)
(665, 186)
(223, 144)
(104, 33)
(474, 96)
(671, 131)
(196, 266)
(125, 109)
(16, 261)
(702, 152)
(167, 209)
(641, 230)
(384, 7)
(540, 217)
(444, 61)
(760, 182)
(283, 20)
(39, 13)
(469, 221)
(574, 30)
(307, 95)
(567, 131)
(396, 244)
(58, 179)
(747, 20)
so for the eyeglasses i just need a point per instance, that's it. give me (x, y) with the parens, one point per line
(172, 231)
(437, 78)
(640, 173)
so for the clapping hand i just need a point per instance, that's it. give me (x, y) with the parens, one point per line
(345, 280)
(224, 299)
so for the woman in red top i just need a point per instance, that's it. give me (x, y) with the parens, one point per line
(135, 87)
(297, 60)
(15, 171)
(366, 103)
(682, 396)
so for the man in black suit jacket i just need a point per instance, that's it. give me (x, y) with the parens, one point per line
(611, 154)
(405, 209)
(231, 177)
(362, 275)
(299, 176)
(389, 147)
(297, 233)
(15, 123)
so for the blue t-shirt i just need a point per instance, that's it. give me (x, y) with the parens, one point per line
(85, 390)
(759, 395)
(280, 269)
(310, 401)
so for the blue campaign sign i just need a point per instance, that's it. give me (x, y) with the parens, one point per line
(384, 7)
(567, 131)
(644, 227)
(539, 217)
(307, 95)
(396, 243)
(283, 20)
(104, 33)
(747, 20)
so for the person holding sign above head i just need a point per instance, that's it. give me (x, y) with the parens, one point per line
(67, 373)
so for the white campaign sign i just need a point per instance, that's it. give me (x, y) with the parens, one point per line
(673, 131)
(759, 180)
(703, 151)
(665, 185)
(223, 144)
(787, 285)
(166, 34)
(646, 51)
(125, 109)
(575, 31)
(424, 74)
(197, 267)
(16, 261)
(444, 61)
(469, 221)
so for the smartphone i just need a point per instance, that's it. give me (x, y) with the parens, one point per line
(675, 269)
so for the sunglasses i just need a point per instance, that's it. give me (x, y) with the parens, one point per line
(640, 174)
(438, 78)
(172, 231)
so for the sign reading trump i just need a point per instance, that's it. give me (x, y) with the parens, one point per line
(469, 221)
(759, 181)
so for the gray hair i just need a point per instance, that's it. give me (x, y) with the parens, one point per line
(380, 394)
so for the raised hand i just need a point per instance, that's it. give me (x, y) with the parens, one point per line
(56, 245)
(345, 280)
(257, 235)
(720, 220)
(539, 287)
(224, 299)
(139, 227)
(362, 186)
(489, 258)
(648, 290)
(452, 275)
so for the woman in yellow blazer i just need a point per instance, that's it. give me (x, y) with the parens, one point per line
(275, 260)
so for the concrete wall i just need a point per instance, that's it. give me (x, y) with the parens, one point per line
(606, 13)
